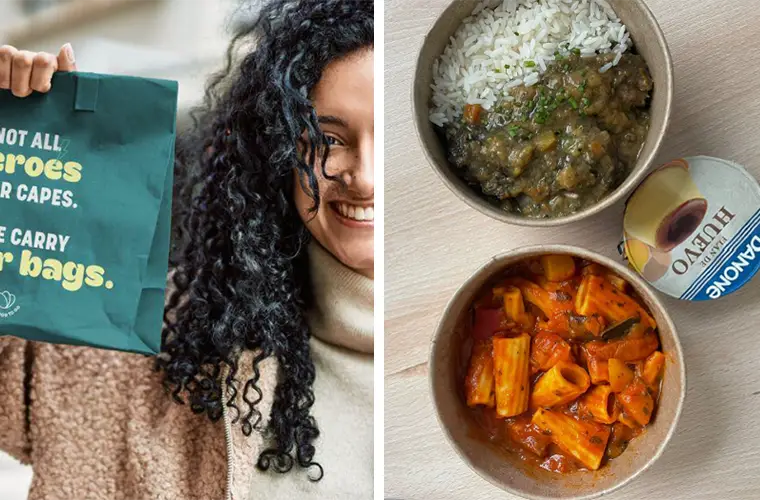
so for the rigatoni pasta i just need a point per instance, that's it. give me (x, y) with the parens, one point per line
(614, 305)
(511, 365)
(535, 295)
(598, 369)
(513, 303)
(479, 384)
(568, 358)
(599, 404)
(514, 306)
(563, 383)
(653, 369)
(584, 440)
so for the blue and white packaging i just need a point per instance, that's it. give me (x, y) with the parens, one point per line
(692, 228)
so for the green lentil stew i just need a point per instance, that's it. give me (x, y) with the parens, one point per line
(562, 144)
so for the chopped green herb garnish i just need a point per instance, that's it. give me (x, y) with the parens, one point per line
(513, 130)
(517, 34)
(566, 67)
(573, 103)
(586, 102)
(576, 51)
(530, 64)
(507, 66)
(541, 114)
(582, 86)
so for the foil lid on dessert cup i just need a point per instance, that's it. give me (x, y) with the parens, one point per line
(692, 228)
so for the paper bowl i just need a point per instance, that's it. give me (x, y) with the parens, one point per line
(447, 367)
(649, 42)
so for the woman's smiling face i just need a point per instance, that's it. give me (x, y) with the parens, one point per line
(345, 221)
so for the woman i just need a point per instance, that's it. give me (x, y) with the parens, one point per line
(267, 342)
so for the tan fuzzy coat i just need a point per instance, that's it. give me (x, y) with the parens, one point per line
(99, 426)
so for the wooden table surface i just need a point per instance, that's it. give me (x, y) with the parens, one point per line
(434, 242)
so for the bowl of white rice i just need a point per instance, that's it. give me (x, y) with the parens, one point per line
(477, 53)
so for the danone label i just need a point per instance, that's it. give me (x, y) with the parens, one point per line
(692, 228)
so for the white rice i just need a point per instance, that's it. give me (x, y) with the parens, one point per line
(487, 55)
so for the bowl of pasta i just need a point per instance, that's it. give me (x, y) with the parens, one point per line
(557, 373)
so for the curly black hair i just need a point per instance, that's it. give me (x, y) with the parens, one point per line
(240, 270)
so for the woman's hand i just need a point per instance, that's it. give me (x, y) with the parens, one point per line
(23, 72)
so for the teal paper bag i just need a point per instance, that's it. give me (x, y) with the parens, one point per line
(85, 199)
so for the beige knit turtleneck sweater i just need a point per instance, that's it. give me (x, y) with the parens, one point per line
(342, 347)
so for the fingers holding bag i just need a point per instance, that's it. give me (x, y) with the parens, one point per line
(24, 72)
(7, 53)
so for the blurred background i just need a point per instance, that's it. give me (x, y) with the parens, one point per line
(182, 40)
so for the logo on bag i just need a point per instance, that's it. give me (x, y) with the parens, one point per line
(7, 303)
(8, 300)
